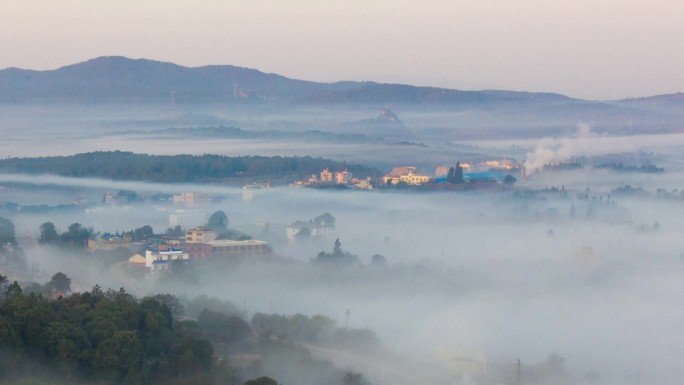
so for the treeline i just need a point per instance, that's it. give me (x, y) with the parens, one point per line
(644, 168)
(620, 167)
(99, 336)
(120, 165)
(562, 166)
(75, 237)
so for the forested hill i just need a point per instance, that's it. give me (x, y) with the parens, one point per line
(118, 165)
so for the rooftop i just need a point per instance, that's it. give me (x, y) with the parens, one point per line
(201, 228)
(249, 242)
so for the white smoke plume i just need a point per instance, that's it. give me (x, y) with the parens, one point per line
(557, 150)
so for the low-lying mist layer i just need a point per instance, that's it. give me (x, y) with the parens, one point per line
(579, 270)
(575, 272)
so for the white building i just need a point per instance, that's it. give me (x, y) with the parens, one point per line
(161, 260)
(313, 229)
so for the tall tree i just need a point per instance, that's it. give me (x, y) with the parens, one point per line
(455, 174)
(7, 232)
(60, 282)
(458, 173)
(48, 234)
(4, 283)
(337, 256)
(451, 175)
(218, 222)
(76, 236)
(337, 248)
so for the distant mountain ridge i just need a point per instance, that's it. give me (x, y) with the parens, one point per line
(666, 103)
(116, 79)
(119, 79)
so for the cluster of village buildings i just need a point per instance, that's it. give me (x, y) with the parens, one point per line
(327, 177)
(410, 175)
(157, 253)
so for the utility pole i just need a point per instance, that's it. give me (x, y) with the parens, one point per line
(518, 365)
(347, 325)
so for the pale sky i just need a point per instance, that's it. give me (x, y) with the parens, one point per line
(596, 49)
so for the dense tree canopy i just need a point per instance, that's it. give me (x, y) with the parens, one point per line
(76, 236)
(110, 338)
(98, 337)
(218, 326)
(176, 168)
(142, 233)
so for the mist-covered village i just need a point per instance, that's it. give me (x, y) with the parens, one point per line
(453, 275)
(219, 225)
